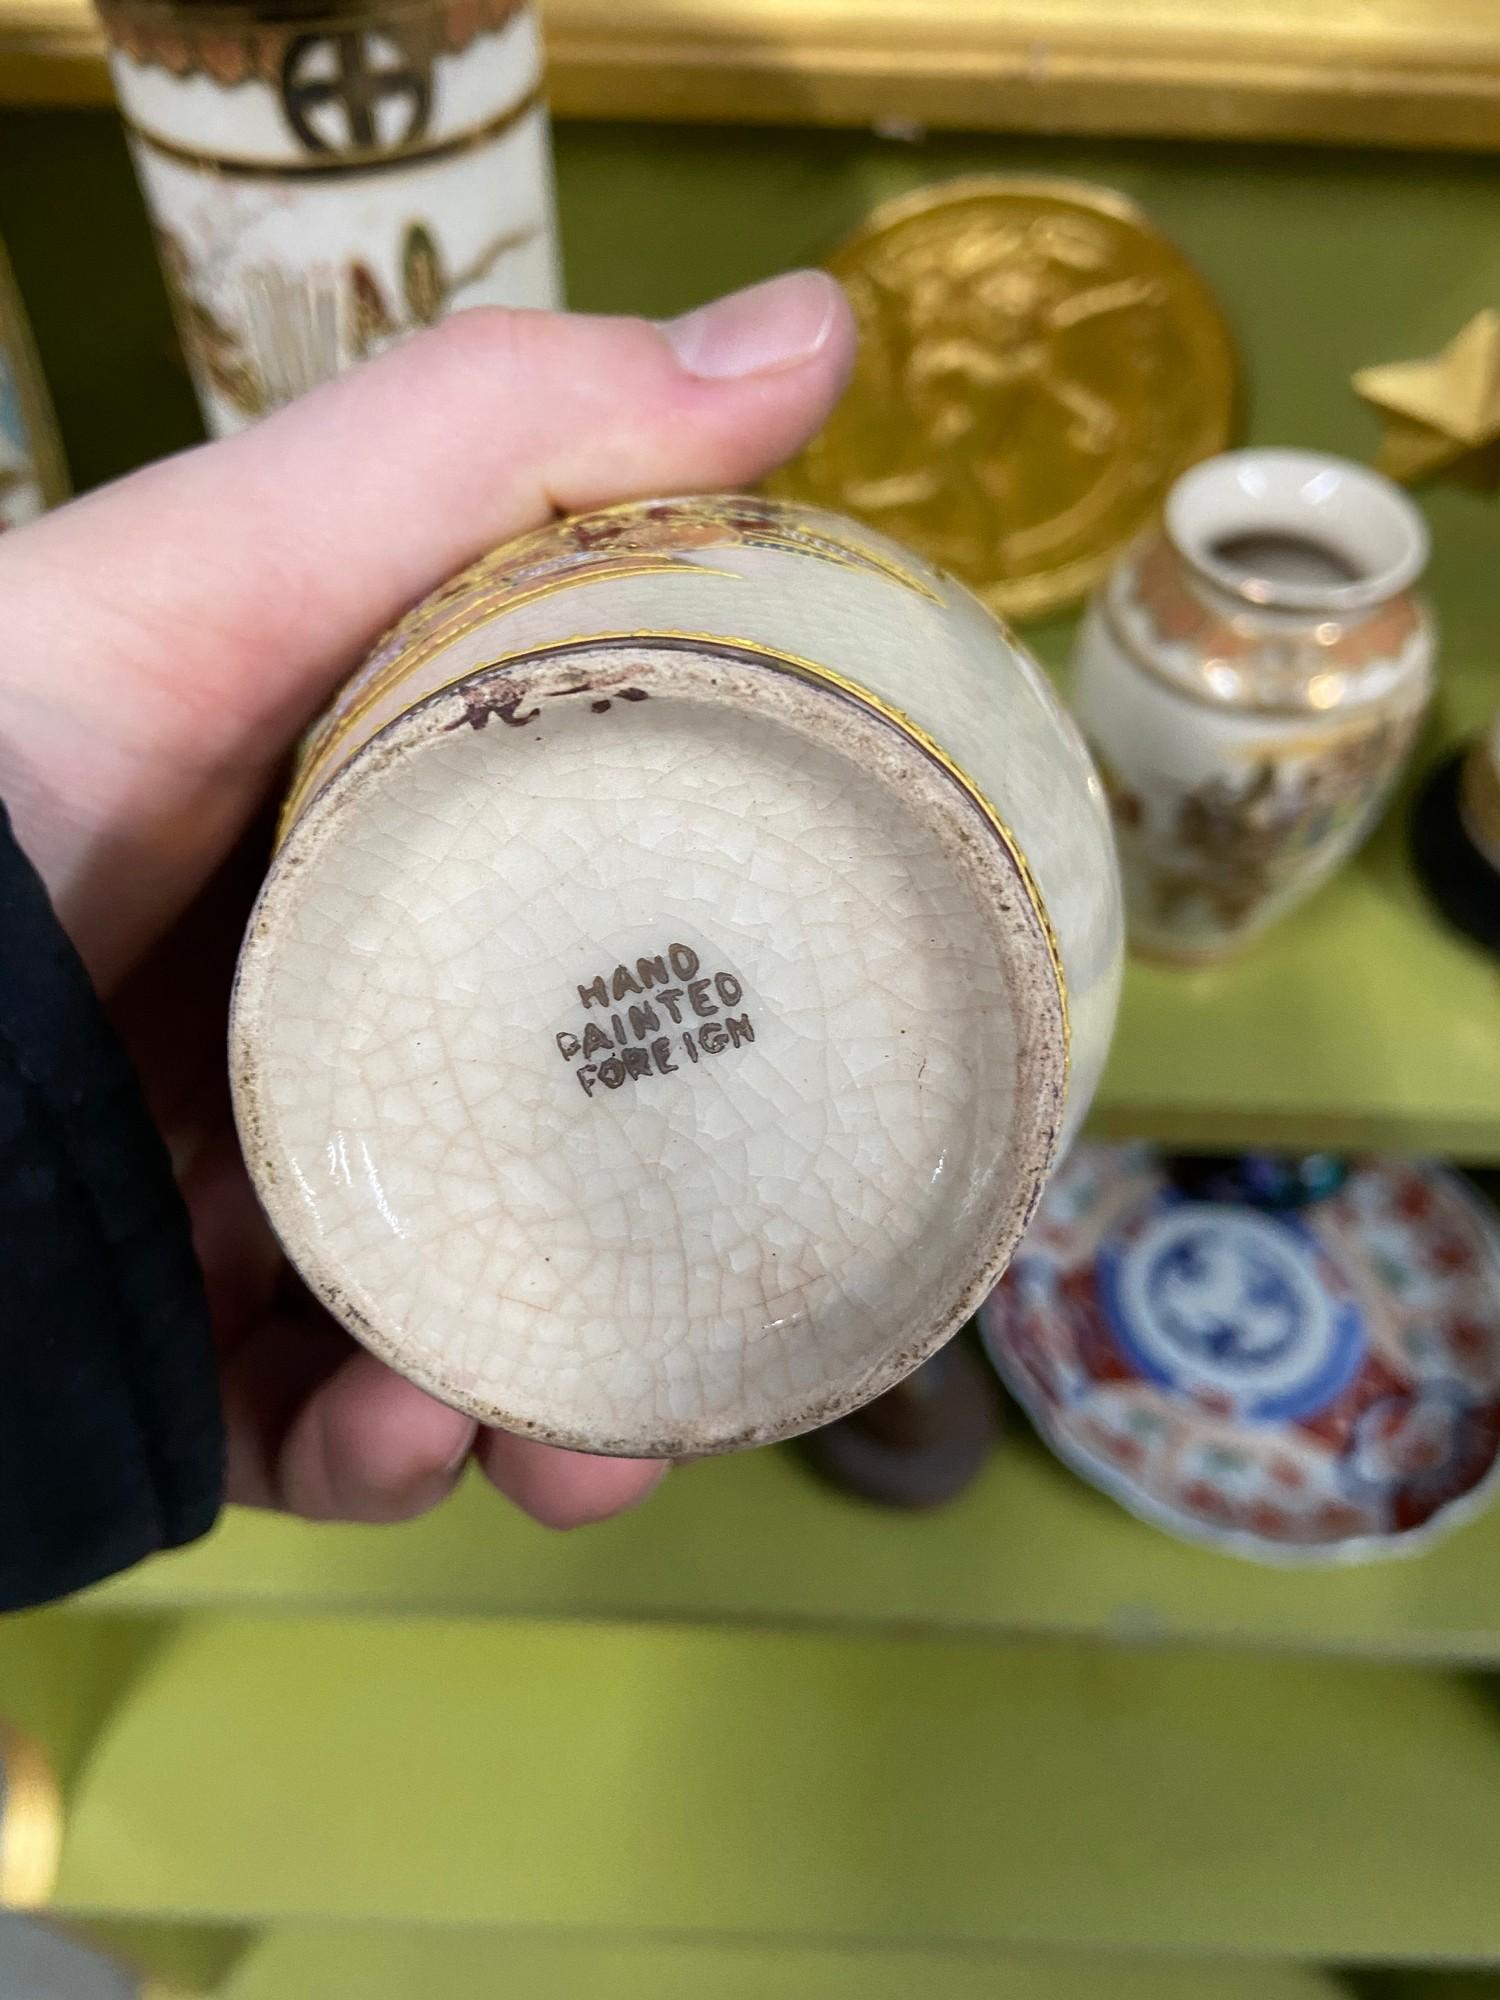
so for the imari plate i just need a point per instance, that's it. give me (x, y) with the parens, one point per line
(1318, 1385)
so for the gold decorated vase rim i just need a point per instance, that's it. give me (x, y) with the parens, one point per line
(1230, 656)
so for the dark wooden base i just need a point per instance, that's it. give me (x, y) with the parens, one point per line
(1457, 877)
(921, 1443)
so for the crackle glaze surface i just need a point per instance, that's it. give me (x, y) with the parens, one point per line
(653, 1042)
(322, 185)
(1247, 746)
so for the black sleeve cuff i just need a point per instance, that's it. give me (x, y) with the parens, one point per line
(111, 1441)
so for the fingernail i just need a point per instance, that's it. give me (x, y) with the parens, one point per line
(460, 1452)
(778, 324)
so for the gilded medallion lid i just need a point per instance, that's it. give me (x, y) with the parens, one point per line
(1037, 365)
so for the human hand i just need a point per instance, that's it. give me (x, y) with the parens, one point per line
(169, 638)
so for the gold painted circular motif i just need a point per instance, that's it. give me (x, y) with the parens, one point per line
(1037, 365)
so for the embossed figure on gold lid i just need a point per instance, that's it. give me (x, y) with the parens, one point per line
(1037, 365)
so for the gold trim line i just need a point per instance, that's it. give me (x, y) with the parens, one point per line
(476, 611)
(480, 594)
(1395, 699)
(303, 793)
(342, 165)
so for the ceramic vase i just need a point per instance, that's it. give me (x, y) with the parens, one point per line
(33, 476)
(693, 934)
(325, 178)
(1250, 679)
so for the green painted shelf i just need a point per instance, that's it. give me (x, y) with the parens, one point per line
(301, 1963)
(799, 1789)
(392, 1961)
(387, 1961)
(1029, 1550)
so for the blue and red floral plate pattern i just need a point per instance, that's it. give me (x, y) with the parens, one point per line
(1319, 1385)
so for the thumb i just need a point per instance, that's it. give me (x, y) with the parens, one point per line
(175, 631)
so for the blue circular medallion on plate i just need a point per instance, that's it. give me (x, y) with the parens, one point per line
(1231, 1304)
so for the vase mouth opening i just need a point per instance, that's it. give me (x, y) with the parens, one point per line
(1296, 531)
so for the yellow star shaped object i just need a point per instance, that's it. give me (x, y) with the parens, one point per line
(1443, 414)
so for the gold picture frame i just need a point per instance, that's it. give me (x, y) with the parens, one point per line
(1358, 72)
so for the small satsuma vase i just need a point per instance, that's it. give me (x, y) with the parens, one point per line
(693, 934)
(1250, 679)
(326, 176)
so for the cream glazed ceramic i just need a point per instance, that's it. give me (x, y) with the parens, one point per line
(325, 178)
(693, 933)
(1250, 680)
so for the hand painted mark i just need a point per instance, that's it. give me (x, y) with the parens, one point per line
(478, 708)
(635, 1045)
(625, 694)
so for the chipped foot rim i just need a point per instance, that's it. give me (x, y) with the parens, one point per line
(651, 1041)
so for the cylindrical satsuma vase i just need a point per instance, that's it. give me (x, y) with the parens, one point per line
(693, 933)
(326, 176)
